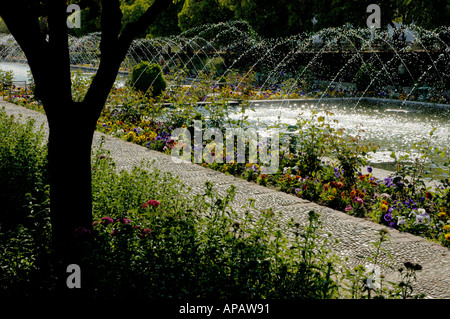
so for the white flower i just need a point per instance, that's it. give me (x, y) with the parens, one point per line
(421, 211)
(401, 220)
(422, 218)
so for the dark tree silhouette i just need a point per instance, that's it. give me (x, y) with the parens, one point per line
(71, 124)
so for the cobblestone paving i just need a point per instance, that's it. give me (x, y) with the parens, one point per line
(354, 234)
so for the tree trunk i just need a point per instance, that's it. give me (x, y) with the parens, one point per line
(69, 160)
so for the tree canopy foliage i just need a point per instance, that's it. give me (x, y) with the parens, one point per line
(272, 18)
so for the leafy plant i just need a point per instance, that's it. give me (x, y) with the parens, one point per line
(23, 174)
(146, 76)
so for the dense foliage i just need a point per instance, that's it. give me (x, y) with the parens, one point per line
(146, 76)
(402, 200)
(150, 239)
(274, 19)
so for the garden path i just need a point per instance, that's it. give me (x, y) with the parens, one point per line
(354, 234)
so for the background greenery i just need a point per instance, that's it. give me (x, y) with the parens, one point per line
(269, 18)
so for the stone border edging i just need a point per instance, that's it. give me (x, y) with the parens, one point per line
(354, 234)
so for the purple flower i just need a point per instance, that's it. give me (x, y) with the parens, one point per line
(151, 202)
(337, 173)
(369, 169)
(145, 232)
(124, 220)
(388, 217)
(106, 221)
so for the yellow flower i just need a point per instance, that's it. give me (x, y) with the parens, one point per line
(447, 236)
(153, 135)
(383, 207)
(333, 191)
(442, 214)
(446, 227)
(330, 197)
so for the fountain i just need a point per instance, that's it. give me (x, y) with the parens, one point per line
(415, 75)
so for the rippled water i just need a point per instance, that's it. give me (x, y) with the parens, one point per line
(394, 127)
(20, 72)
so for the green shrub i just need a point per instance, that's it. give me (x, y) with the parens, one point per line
(152, 238)
(145, 76)
(23, 174)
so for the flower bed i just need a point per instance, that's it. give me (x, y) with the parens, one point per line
(150, 240)
(398, 201)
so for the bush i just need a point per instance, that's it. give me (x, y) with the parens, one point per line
(152, 239)
(23, 174)
(145, 76)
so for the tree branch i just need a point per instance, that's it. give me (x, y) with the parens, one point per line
(59, 47)
(22, 20)
(111, 25)
(114, 48)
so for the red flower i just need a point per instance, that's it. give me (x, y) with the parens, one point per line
(124, 220)
(428, 195)
(106, 221)
(151, 202)
(145, 232)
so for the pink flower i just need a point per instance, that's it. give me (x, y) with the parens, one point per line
(124, 220)
(145, 232)
(359, 200)
(348, 208)
(106, 221)
(151, 202)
